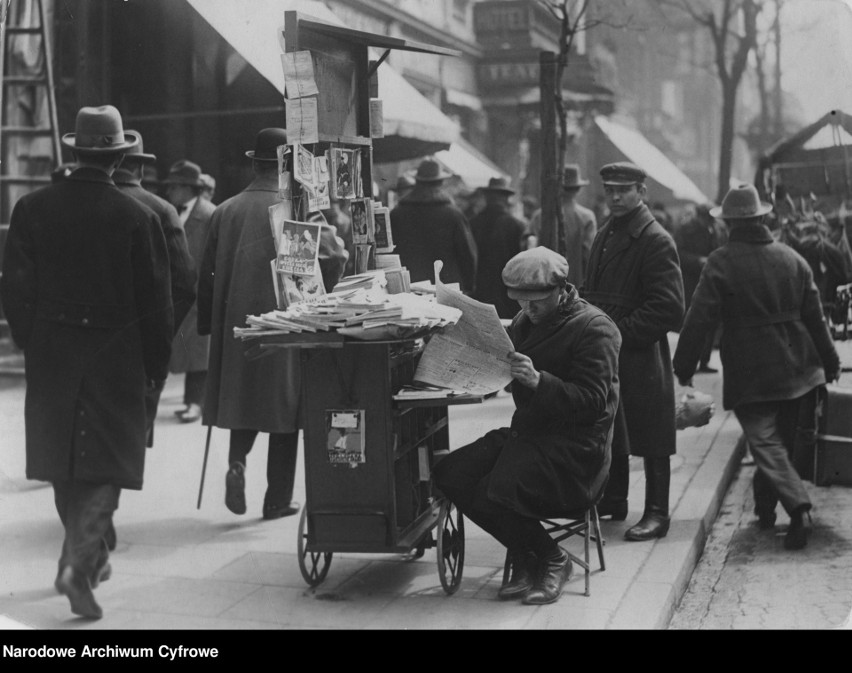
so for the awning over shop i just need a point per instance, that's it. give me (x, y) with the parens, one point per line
(413, 126)
(638, 149)
(472, 167)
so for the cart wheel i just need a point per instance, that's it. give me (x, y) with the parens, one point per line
(450, 547)
(319, 561)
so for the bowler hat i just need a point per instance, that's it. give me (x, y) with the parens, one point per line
(622, 173)
(534, 273)
(430, 170)
(136, 152)
(571, 177)
(266, 144)
(741, 202)
(500, 185)
(184, 172)
(99, 130)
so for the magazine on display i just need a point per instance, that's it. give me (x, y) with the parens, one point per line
(342, 173)
(298, 248)
(382, 225)
(345, 432)
(320, 198)
(361, 214)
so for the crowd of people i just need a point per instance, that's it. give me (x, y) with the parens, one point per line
(107, 291)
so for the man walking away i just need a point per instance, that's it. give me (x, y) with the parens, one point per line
(85, 287)
(776, 348)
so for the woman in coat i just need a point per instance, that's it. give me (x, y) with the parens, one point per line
(555, 455)
(634, 276)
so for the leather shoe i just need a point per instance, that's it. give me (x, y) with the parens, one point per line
(553, 573)
(79, 591)
(235, 488)
(271, 512)
(651, 525)
(192, 414)
(797, 533)
(524, 567)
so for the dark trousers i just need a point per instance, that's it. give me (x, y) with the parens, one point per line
(152, 401)
(193, 388)
(463, 476)
(85, 510)
(280, 461)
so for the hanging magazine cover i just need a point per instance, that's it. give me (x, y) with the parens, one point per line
(279, 213)
(361, 214)
(384, 237)
(320, 199)
(343, 173)
(345, 432)
(303, 168)
(298, 248)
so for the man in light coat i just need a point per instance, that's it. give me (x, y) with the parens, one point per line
(634, 276)
(776, 348)
(190, 349)
(85, 287)
(251, 396)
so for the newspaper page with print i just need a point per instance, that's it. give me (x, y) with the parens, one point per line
(471, 356)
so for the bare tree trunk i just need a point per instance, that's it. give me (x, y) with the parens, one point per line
(729, 103)
(549, 235)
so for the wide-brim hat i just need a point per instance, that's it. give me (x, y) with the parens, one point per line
(534, 274)
(430, 170)
(741, 202)
(99, 130)
(622, 173)
(137, 151)
(571, 177)
(498, 186)
(266, 144)
(184, 172)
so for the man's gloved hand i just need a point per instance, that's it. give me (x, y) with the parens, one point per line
(694, 410)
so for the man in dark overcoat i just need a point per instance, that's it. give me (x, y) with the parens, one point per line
(85, 287)
(554, 456)
(499, 236)
(696, 239)
(776, 348)
(251, 396)
(128, 178)
(634, 276)
(190, 350)
(427, 226)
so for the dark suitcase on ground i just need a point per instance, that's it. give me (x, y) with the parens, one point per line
(833, 456)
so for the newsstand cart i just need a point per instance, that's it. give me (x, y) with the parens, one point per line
(368, 457)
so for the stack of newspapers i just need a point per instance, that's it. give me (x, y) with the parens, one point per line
(355, 313)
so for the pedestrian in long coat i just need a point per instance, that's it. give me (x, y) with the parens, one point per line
(427, 226)
(250, 396)
(499, 236)
(776, 348)
(85, 288)
(634, 276)
(128, 178)
(190, 350)
(554, 456)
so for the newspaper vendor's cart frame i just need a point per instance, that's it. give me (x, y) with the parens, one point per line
(386, 503)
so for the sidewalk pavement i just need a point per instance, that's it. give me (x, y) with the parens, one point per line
(179, 567)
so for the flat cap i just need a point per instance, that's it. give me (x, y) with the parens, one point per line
(534, 273)
(622, 173)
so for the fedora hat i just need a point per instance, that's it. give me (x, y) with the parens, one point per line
(499, 185)
(571, 177)
(266, 144)
(741, 202)
(430, 170)
(137, 152)
(99, 130)
(184, 172)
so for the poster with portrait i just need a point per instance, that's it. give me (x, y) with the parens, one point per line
(343, 173)
(320, 199)
(345, 437)
(361, 215)
(298, 248)
(384, 237)
(303, 168)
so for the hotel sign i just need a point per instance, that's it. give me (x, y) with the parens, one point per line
(510, 73)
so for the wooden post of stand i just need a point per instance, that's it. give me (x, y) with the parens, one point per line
(549, 179)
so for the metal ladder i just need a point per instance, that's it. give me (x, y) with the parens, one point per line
(12, 85)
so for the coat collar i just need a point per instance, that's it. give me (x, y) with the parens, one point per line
(750, 233)
(635, 221)
(87, 174)
(530, 335)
